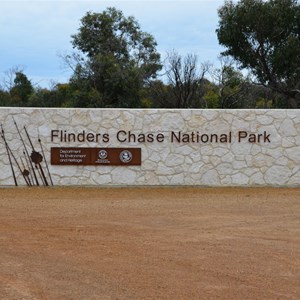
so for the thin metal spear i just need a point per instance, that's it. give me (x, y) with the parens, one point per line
(28, 166)
(45, 159)
(9, 158)
(16, 161)
(36, 157)
(26, 173)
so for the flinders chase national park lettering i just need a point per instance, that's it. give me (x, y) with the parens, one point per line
(195, 137)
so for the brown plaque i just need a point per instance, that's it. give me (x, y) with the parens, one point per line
(96, 156)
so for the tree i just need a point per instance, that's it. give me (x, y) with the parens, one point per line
(59, 95)
(264, 36)
(233, 88)
(118, 57)
(4, 98)
(21, 90)
(185, 78)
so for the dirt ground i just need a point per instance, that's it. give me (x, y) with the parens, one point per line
(155, 243)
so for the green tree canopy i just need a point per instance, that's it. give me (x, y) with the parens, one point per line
(119, 58)
(264, 36)
(21, 90)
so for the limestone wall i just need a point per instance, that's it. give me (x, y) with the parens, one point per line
(178, 147)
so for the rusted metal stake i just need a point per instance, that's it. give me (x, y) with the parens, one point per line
(8, 154)
(45, 160)
(26, 173)
(37, 158)
(28, 166)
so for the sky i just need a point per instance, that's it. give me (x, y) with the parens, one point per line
(34, 34)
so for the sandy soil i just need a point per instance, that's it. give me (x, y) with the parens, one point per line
(157, 243)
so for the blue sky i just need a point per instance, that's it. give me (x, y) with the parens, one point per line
(34, 33)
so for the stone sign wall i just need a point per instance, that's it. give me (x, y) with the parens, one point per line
(106, 147)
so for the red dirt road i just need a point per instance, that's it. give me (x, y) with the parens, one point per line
(156, 243)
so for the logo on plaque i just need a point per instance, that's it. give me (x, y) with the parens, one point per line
(102, 154)
(125, 156)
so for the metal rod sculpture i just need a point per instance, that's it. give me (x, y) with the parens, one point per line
(28, 166)
(32, 161)
(39, 171)
(18, 165)
(26, 173)
(45, 160)
(8, 154)
(37, 158)
(27, 155)
(13, 156)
